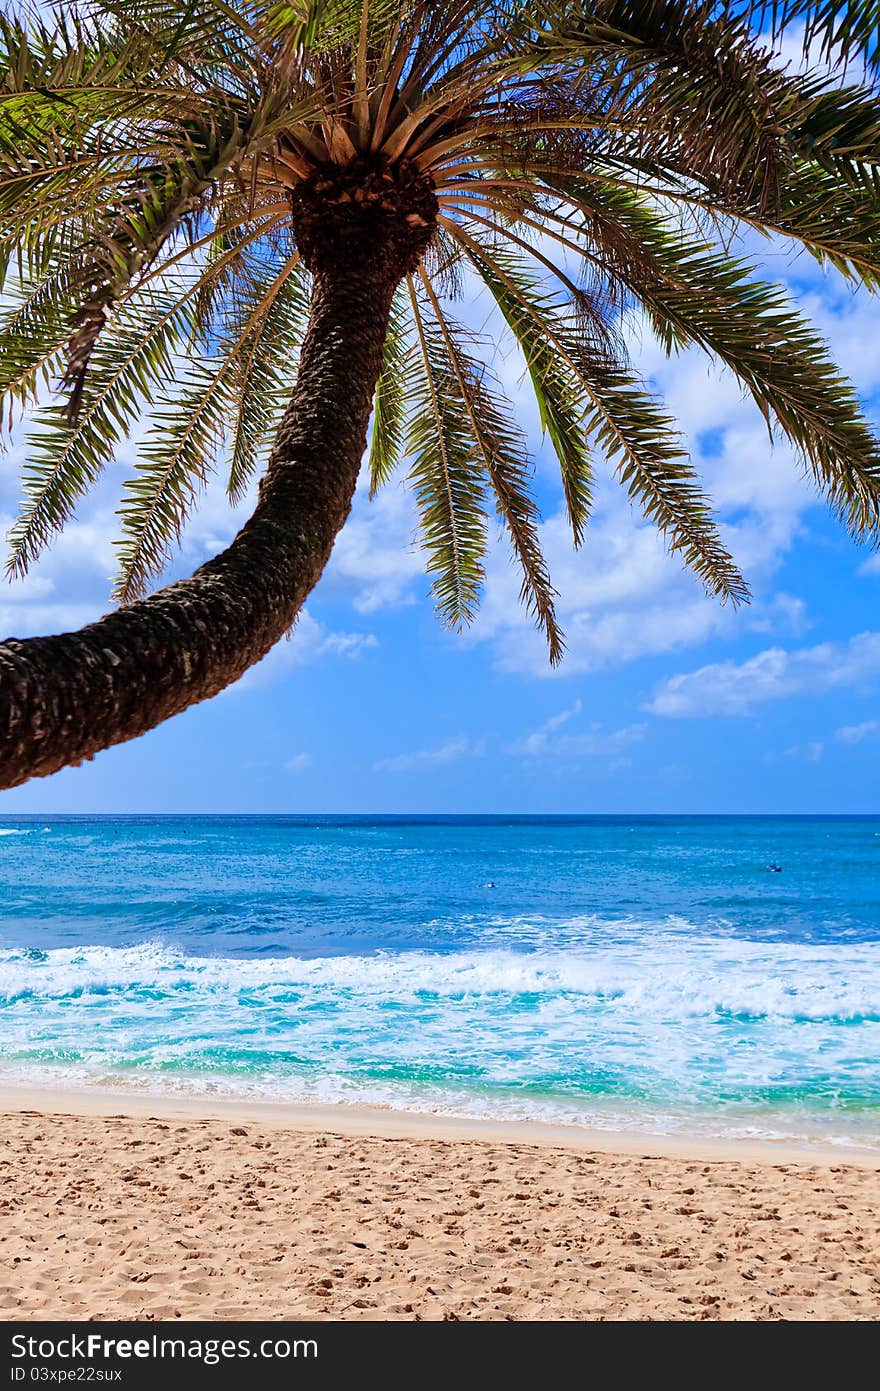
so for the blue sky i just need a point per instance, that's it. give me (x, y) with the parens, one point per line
(666, 702)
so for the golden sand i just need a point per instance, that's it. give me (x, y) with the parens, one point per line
(127, 1216)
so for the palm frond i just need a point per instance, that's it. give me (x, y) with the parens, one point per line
(34, 330)
(557, 391)
(389, 406)
(841, 30)
(262, 373)
(66, 459)
(642, 59)
(503, 452)
(174, 465)
(619, 416)
(696, 295)
(135, 237)
(448, 489)
(190, 429)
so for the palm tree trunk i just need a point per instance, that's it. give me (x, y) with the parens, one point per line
(62, 699)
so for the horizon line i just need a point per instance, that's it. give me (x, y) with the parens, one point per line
(446, 815)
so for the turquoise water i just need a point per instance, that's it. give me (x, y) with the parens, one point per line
(647, 973)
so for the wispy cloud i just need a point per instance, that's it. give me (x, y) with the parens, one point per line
(564, 716)
(871, 566)
(855, 733)
(813, 752)
(450, 752)
(593, 742)
(309, 642)
(67, 587)
(298, 762)
(536, 744)
(735, 688)
(623, 597)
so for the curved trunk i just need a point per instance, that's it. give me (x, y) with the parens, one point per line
(62, 699)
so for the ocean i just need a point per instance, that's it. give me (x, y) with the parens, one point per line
(649, 974)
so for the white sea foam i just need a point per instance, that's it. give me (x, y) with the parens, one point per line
(681, 1030)
(669, 978)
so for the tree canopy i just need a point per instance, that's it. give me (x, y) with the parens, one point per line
(590, 161)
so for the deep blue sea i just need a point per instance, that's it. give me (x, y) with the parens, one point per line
(648, 973)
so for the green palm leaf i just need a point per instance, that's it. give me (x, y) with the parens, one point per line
(389, 406)
(502, 450)
(557, 392)
(181, 449)
(619, 416)
(448, 489)
(697, 296)
(175, 462)
(261, 373)
(66, 458)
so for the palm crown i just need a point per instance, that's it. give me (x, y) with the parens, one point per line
(585, 158)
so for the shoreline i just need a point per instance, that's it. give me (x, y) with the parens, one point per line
(365, 1122)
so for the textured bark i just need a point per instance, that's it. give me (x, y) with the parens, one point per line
(62, 699)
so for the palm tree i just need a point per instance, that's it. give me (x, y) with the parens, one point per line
(206, 204)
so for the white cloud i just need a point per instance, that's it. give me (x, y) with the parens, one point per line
(731, 688)
(67, 586)
(622, 596)
(37, 620)
(608, 599)
(593, 742)
(590, 743)
(31, 589)
(375, 559)
(309, 641)
(871, 566)
(848, 321)
(299, 762)
(855, 733)
(564, 716)
(210, 527)
(451, 752)
(812, 752)
(783, 612)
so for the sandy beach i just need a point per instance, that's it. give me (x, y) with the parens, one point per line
(150, 1210)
